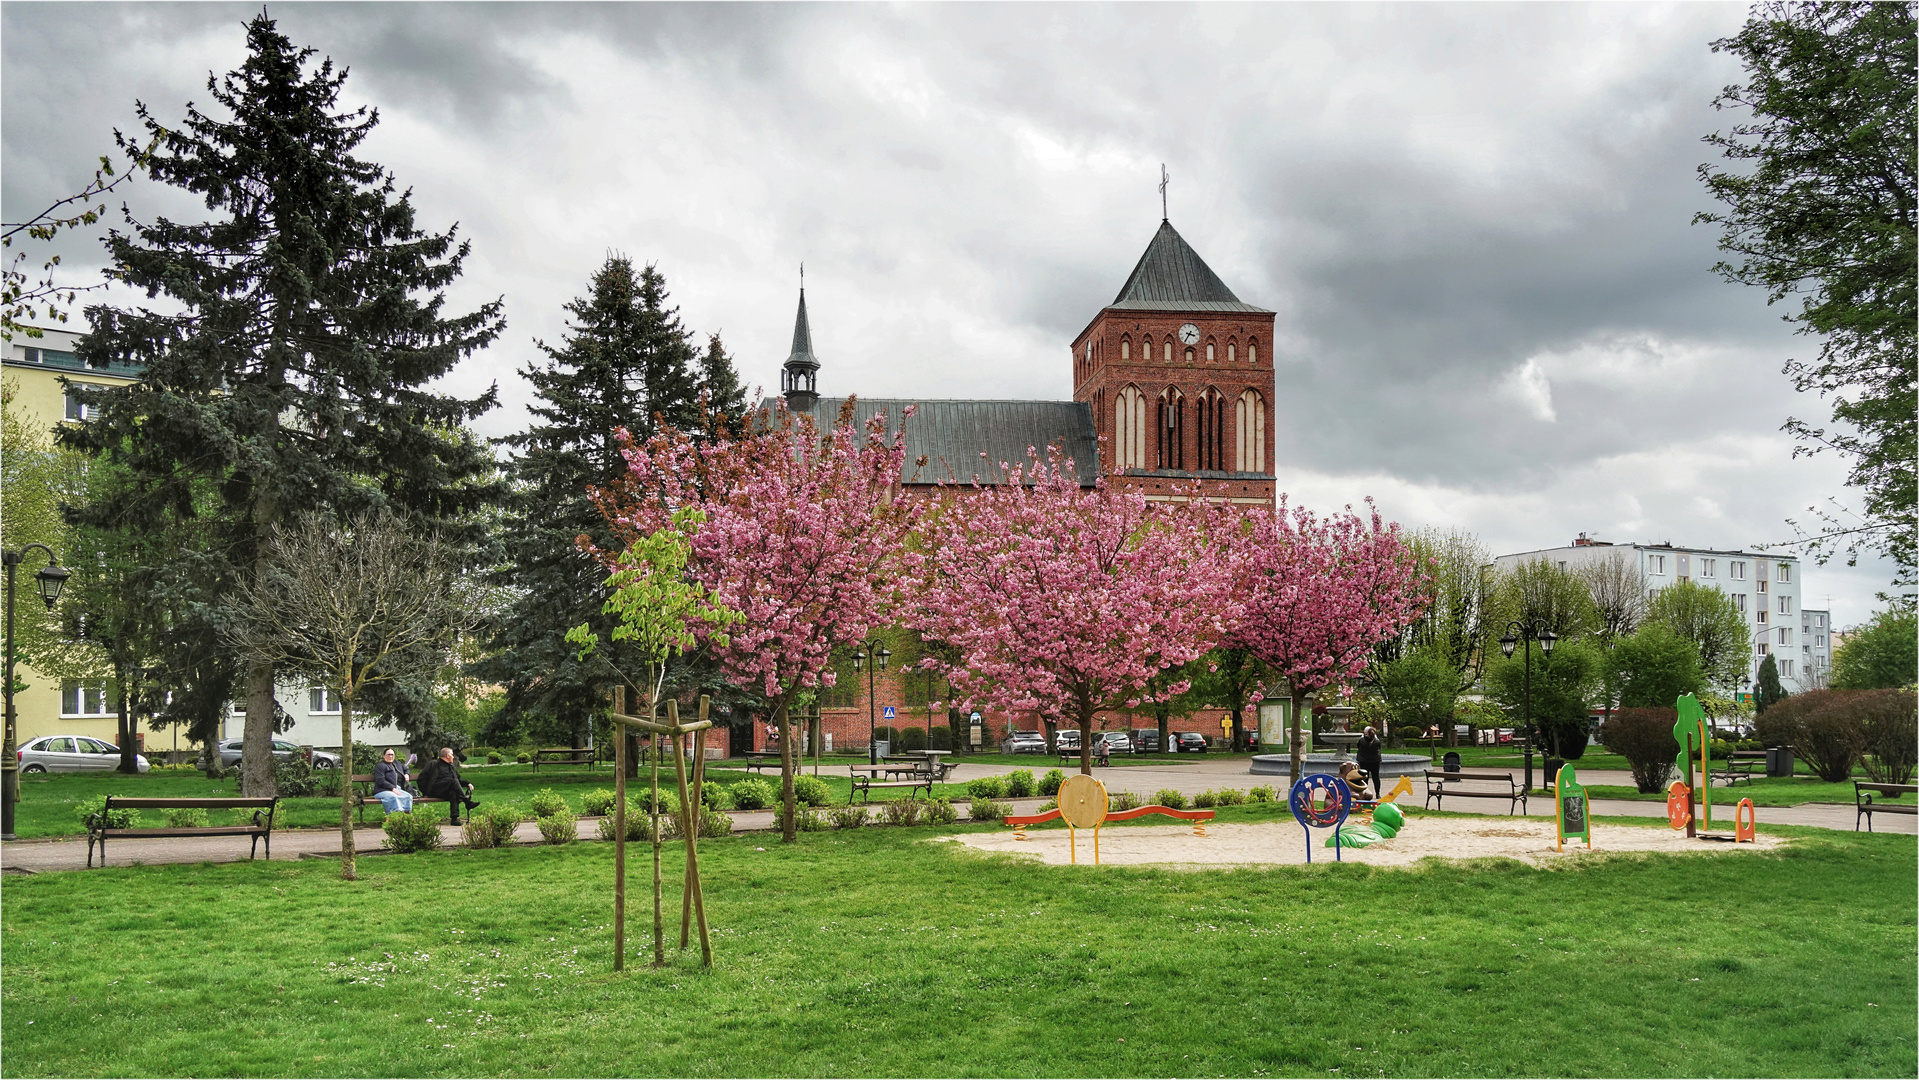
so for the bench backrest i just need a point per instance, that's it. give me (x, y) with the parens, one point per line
(1887, 789)
(1467, 775)
(122, 802)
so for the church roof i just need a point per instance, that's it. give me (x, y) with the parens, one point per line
(1171, 276)
(953, 434)
(802, 339)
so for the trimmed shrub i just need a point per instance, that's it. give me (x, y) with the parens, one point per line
(810, 820)
(847, 817)
(1228, 797)
(987, 787)
(1124, 800)
(941, 812)
(1205, 799)
(1262, 793)
(597, 803)
(753, 794)
(987, 810)
(417, 831)
(1892, 734)
(545, 803)
(905, 811)
(1826, 728)
(491, 826)
(911, 738)
(559, 827)
(1050, 804)
(493, 759)
(293, 777)
(712, 823)
(1049, 784)
(716, 796)
(669, 801)
(811, 791)
(186, 817)
(523, 758)
(638, 825)
(119, 819)
(1643, 736)
(1019, 784)
(1170, 799)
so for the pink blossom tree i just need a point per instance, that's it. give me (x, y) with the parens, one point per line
(1319, 594)
(1066, 602)
(804, 535)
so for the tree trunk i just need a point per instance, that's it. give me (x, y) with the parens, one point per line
(1086, 739)
(621, 756)
(347, 869)
(789, 809)
(1165, 732)
(1298, 755)
(128, 762)
(256, 761)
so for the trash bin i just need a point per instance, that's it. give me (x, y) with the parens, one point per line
(883, 747)
(1778, 761)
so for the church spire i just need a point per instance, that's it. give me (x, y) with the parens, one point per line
(798, 377)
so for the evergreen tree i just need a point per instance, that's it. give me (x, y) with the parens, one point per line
(1767, 692)
(720, 383)
(626, 362)
(288, 371)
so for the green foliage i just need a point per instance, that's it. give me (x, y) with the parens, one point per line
(910, 739)
(638, 825)
(415, 831)
(1049, 784)
(1767, 692)
(753, 793)
(1654, 668)
(716, 796)
(1228, 797)
(1882, 654)
(1891, 719)
(186, 817)
(294, 777)
(991, 787)
(1825, 728)
(811, 790)
(1420, 690)
(848, 817)
(1019, 784)
(599, 802)
(1121, 800)
(558, 826)
(492, 826)
(522, 758)
(1537, 591)
(1455, 628)
(809, 820)
(668, 800)
(712, 823)
(905, 811)
(1205, 800)
(1563, 685)
(1169, 798)
(1705, 617)
(1643, 736)
(987, 810)
(1259, 794)
(493, 759)
(119, 819)
(545, 803)
(941, 812)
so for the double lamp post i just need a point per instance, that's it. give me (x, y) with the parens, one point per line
(880, 654)
(52, 577)
(1530, 632)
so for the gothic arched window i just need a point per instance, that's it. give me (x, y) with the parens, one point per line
(1212, 429)
(1252, 351)
(1169, 350)
(1189, 354)
(1129, 430)
(1249, 429)
(1232, 349)
(1125, 348)
(1209, 351)
(1171, 427)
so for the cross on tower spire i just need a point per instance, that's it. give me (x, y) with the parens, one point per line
(1163, 181)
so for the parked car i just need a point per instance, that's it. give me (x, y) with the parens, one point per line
(1117, 742)
(282, 750)
(1189, 742)
(1026, 742)
(72, 753)
(1145, 740)
(1067, 741)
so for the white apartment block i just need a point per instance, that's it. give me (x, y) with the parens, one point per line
(1765, 588)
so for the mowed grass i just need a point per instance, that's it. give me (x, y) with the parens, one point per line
(873, 952)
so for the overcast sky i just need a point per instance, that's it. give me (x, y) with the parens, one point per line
(1474, 221)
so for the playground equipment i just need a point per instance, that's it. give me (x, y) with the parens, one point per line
(1321, 800)
(1695, 743)
(1569, 809)
(1083, 804)
(1404, 787)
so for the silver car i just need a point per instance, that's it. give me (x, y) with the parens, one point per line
(72, 753)
(282, 750)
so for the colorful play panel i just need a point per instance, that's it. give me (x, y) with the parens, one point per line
(1083, 804)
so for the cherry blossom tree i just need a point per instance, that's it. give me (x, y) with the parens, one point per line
(1318, 594)
(1066, 602)
(804, 535)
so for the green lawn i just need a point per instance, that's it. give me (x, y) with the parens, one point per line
(871, 953)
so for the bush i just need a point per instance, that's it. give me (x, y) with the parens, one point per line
(597, 803)
(1124, 800)
(1228, 797)
(1262, 793)
(811, 791)
(987, 787)
(294, 777)
(1205, 799)
(417, 831)
(669, 801)
(523, 758)
(546, 802)
(1643, 736)
(847, 817)
(987, 810)
(1050, 804)
(1170, 799)
(753, 794)
(186, 817)
(493, 759)
(911, 738)
(1892, 734)
(940, 738)
(1825, 728)
(941, 812)
(638, 825)
(810, 820)
(491, 826)
(119, 819)
(1411, 731)
(716, 796)
(712, 823)
(1049, 784)
(559, 827)
(1019, 784)
(905, 811)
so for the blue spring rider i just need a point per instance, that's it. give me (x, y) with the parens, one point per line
(1321, 800)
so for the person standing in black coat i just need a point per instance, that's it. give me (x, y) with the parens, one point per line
(1369, 755)
(441, 780)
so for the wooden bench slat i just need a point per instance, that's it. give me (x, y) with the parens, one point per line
(1866, 806)
(99, 826)
(127, 802)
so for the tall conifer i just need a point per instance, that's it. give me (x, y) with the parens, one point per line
(720, 382)
(287, 371)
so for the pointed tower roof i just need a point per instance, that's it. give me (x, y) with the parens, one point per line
(798, 378)
(1171, 276)
(802, 353)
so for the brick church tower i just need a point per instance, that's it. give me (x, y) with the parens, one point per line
(1178, 373)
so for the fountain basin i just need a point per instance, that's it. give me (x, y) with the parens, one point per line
(1391, 766)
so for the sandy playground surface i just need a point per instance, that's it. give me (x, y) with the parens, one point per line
(1284, 843)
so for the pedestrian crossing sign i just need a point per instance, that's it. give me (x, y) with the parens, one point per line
(889, 713)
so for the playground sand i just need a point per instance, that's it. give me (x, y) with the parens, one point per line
(1284, 843)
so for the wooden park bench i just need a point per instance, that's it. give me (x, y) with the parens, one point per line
(563, 755)
(99, 825)
(1866, 796)
(1473, 784)
(932, 763)
(1739, 766)
(363, 796)
(867, 777)
(760, 759)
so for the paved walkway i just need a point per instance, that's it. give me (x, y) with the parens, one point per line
(38, 856)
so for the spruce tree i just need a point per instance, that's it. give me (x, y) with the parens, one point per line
(1767, 692)
(288, 370)
(625, 362)
(720, 383)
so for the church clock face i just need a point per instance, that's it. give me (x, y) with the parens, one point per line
(1189, 334)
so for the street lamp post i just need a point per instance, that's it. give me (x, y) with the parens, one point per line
(1530, 632)
(880, 654)
(51, 577)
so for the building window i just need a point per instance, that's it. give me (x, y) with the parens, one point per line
(1785, 571)
(1212, 434)
(1189, 354)
(1708, 567)
(1252, 351)
(1169, 350)
(1656, 565)
(1249, 431)
(1760, 613)
(1232, 352)
(1761, 648)
(1819, 620)
(1785, 605)
(1785, 668)
(79, 698)
(1209, 352)
(1739, 602)
(1785, 635)
(1172, 430)
(1125, 348)
(1762, 585)
(1822, 641)
(321, 702)
(1737, 570)
(1129, 430)
(78, 410)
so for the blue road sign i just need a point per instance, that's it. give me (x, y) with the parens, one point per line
(888, 713)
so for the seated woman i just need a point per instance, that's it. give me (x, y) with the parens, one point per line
(1355, 778)
(389, 785)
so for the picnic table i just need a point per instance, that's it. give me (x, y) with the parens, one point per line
(929, 758)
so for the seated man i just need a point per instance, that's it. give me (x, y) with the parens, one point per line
(389, 785)
(441, 780)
